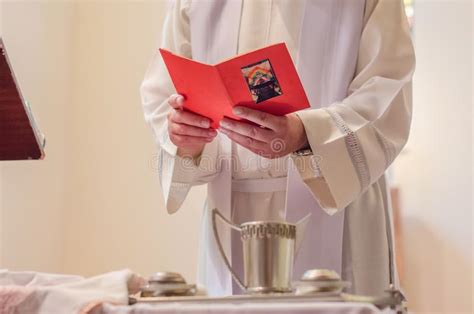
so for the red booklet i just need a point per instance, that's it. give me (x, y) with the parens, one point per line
(264, 79)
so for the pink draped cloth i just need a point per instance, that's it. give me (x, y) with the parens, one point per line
(41, 293)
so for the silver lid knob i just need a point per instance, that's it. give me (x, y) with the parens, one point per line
(165, 277)
(320, 275)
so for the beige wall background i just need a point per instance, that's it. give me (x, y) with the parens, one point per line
(434, 172)
(93, 205)
(33, 198)
(437, 186)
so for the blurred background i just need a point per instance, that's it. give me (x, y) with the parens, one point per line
(94, 204)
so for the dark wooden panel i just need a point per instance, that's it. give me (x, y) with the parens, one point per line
(17, 137)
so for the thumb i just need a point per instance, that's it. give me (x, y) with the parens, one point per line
(176, 101)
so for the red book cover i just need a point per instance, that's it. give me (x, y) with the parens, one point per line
(264, 79)
(20, 138)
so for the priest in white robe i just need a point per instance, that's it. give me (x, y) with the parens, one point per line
(356, 61)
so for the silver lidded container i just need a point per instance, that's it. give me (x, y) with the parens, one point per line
(167, 284)
(318, 281)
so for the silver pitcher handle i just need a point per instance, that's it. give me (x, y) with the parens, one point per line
(215, 213)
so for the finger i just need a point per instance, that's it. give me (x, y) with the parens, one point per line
(176, 101)
(247, 142)
(184, 129)
(185, 140)
(259, 117)
(186, 117)
(247, 129)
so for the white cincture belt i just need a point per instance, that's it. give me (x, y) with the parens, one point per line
(260, 185)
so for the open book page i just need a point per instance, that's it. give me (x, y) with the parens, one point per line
(201, 86)
(264, 79)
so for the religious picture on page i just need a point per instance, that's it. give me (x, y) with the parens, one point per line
(261, 80)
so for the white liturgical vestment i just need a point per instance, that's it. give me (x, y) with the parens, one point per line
(356, 60)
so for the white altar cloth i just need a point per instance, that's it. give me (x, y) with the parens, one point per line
(245, 307)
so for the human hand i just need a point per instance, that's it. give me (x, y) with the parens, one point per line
(272, 137)
(188, 131)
